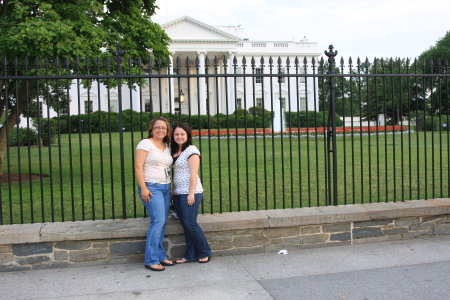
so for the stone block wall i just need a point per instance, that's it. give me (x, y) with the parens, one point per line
(325, 235)
(71, 244)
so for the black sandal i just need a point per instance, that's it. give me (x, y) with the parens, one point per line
(166, 263)
(182, 261)
(153, 269)
(208, 258)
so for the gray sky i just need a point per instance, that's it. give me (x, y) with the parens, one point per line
(365, 28)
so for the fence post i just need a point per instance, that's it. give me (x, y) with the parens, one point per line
(118, 54)
(331, 134)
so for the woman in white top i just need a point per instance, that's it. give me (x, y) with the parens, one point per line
(152, 169)
(188, 193)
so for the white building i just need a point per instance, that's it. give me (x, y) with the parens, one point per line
(220, 94)
(192, 38)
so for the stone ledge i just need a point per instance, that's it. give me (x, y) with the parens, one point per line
(131, 228)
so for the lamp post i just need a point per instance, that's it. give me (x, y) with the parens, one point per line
(181, 97)
(181, 100)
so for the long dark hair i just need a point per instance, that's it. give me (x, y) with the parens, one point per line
(152, 123)
(173, 145)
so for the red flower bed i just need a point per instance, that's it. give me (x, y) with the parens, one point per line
(349, 129)
(233, 132)
(225, 132)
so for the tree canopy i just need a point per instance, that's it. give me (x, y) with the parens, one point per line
(435, 60)
(67, 29)
(439, 52)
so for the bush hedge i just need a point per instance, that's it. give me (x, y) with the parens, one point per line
(308, 119)
(431, 123)
(101, 121)
(24, 137)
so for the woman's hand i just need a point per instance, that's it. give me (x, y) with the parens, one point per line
(190, 199)
(145, 195)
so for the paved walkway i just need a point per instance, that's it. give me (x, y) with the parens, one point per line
(411, 269)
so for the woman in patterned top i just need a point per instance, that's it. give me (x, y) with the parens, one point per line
(152, 169)
(188, 193)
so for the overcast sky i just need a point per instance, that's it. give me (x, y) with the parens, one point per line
(364, 28)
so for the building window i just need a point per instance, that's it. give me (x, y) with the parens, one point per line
(302, 103)
(41, 109)
(238, 78)
(302, 79)
(88, 107)
(259, 102)
(258, 79)
(64, 112)
(114, 105)
(238, 103)
(258, 45)
(281, 71)
(148, 106)
(280, 45)
(283, 103)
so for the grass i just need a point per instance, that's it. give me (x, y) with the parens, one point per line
(85, 178)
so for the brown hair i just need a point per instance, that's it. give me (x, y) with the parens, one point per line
(174, 146)
(168, 132)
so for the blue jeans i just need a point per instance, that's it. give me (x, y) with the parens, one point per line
(196, 244)
(158, 209)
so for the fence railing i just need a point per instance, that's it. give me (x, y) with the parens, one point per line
(290, 133)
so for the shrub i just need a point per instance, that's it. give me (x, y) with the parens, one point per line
(304, 119)
(433, 123)
(48, 129)
(429, 123)
(256, 111)
(25, 137)
(102, 121)
(309, 119)
(132, 120)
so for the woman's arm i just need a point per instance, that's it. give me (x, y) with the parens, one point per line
(194, 163)
(141, 155)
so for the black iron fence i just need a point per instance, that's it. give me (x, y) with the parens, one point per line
(290, 132)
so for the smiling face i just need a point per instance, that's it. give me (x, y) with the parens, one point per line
(159, 130)
(180, 136)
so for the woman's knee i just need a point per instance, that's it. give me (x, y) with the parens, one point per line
(158, 222)
(189, 225)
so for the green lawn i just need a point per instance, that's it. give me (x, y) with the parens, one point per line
(83, 175)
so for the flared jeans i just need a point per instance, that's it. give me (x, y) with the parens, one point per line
(158, 210)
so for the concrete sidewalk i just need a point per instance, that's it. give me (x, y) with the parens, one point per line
(409, 269)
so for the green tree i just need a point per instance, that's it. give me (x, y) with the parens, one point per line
(347, 90)
(390, 94)
(439, 54)
(435, 60)
(66, 29)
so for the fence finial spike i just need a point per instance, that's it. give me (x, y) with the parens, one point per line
(331, 54)
(119, 53)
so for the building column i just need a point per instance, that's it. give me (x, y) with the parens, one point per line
(201, 84)
(231, 90)
(171, 89)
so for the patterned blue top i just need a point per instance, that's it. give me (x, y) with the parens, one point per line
(182, 174)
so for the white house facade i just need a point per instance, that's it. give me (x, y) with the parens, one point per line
(194, 39)
(217, 88)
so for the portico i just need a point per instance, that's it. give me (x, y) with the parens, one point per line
(195, 44)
